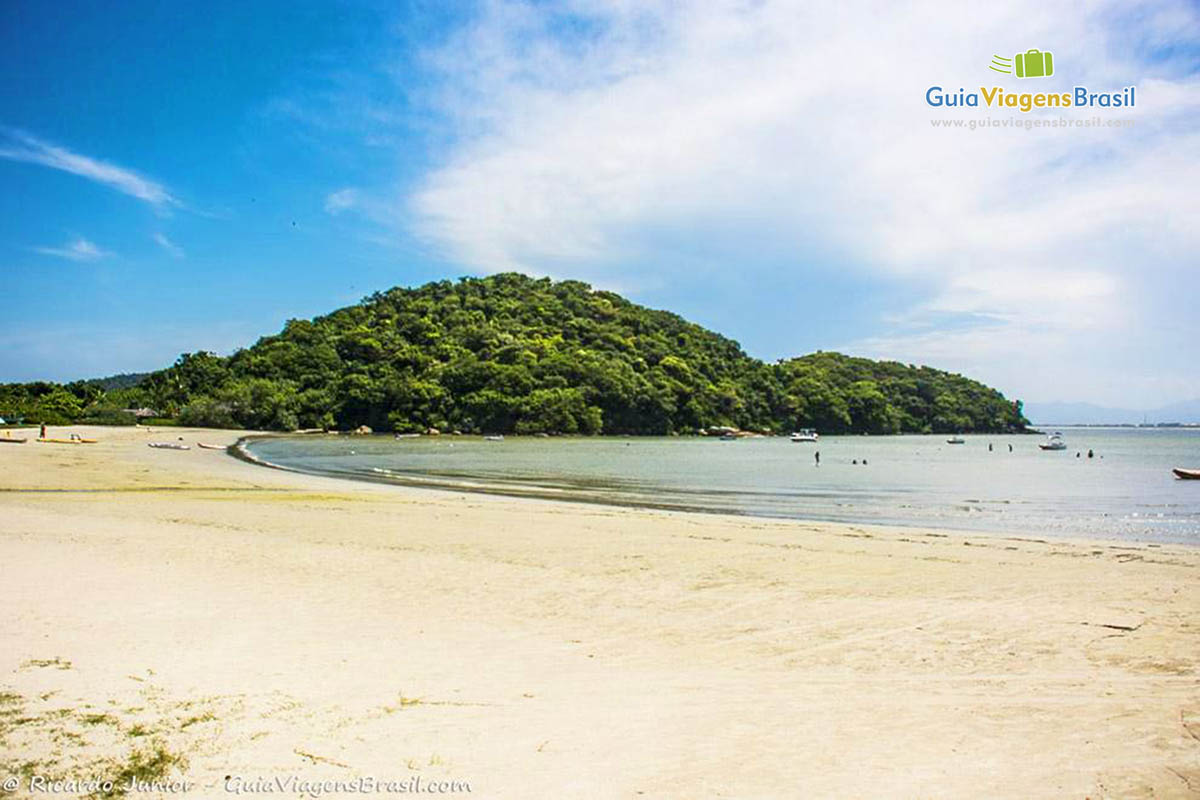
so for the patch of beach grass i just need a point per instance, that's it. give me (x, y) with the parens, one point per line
(207, 716)
(403, 702)
(142, 765)
(56, 663)
(98, 719)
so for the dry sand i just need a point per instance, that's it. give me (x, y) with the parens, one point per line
(186, 614)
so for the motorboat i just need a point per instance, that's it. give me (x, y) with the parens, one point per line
(1054, 442)
(805, 435)
(956, 439)
(1187, 474)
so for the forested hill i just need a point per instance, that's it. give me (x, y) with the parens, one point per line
(508, 353)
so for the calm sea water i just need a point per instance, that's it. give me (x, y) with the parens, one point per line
(1126, 491)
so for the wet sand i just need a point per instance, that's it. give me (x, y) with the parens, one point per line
(182, 614)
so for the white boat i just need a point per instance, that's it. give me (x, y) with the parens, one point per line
(805, 435)
(1054, 442)
(167, 446)
(956, 440)
(496, 438)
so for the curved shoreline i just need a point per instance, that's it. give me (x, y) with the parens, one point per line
(240, 451)
(798, 506)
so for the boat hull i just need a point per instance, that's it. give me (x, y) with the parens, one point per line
(1187, 474)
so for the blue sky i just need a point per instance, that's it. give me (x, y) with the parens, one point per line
(176, 177)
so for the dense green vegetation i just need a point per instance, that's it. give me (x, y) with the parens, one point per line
(509, 353)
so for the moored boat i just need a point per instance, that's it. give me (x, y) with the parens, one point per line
(805, 435)
(1187, 474)
(168, 446)
(956, 440)
(1054, 442)
(204, 446)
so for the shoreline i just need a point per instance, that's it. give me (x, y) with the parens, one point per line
(263, 622)
(532, 491)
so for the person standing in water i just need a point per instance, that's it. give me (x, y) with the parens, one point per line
(818, 457)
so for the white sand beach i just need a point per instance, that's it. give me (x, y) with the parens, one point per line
(184, 614)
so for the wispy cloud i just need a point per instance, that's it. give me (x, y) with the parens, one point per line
(17, 145)
(787, 136)
(78, 250)
(341, 200)
(166, 244)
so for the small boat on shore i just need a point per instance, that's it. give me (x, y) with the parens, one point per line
(1187, 474)
(805, 435)
(204, 446)
(168, 446)
(10, 440)
(956, 440)
(1054, 442)
(67, 441)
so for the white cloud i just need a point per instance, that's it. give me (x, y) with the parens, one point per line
(79, 250)
(166, 244)
(19, 146)
(341, 200)
(698, 138)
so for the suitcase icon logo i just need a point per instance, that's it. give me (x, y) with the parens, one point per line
(1030, 64)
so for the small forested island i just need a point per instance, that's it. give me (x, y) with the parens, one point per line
(513, 354)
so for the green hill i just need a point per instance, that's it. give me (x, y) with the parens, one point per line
(508, 353)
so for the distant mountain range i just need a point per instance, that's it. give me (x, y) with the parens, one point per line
(1187, 411)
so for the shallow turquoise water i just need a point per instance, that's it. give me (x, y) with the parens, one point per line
(1126, 491)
